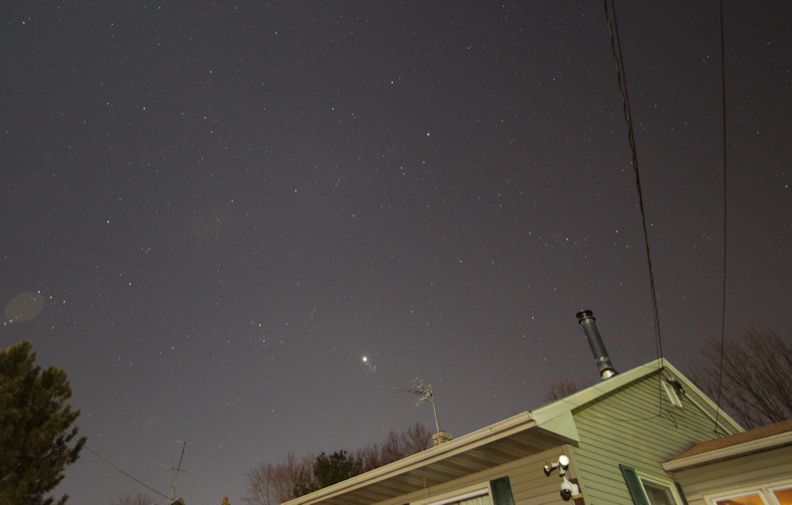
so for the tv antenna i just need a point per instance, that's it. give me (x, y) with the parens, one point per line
(425, 394)
(176, 470)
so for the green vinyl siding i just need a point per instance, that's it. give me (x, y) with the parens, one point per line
(628, 427)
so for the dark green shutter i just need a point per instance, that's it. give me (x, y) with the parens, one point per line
(634, 485)
(681, 493)
(501, 491)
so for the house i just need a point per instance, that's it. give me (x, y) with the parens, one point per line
(750, 468)
(604, 445)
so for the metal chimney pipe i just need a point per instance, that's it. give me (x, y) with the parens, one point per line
(587, 321)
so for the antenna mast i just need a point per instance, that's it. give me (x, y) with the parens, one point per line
(425, 394)
(177, 469)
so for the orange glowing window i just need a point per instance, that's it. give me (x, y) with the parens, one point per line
(751, 499)
(784, 496)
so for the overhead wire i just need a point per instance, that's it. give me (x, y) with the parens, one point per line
(616, 48)
(125, 473)
(725, 213)
(621, 77)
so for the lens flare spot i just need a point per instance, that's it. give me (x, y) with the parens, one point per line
(366, 362)
(24, 307)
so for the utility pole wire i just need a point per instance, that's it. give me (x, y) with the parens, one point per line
(125, 473)
(621, 77)
(725, 228)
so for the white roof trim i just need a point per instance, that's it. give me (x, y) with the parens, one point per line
(732, 451)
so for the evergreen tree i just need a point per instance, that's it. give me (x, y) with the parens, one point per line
(37, 436)
(335, 467)
(305, 483)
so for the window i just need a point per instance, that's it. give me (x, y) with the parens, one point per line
(476, 497)
(483, 499)
(646, 490)
(494, 492)
(783, 495)
(749, 499)
(671, 392)
(658, 494)
(768, 495)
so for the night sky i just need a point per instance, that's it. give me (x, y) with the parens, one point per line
(211, 211)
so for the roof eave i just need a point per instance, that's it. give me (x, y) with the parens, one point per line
(730, 452)
(514, 425)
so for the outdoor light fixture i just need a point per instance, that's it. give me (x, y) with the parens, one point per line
(568, 488)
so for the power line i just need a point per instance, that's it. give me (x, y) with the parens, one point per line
(725, 214)
(616, 48)
(125, 473)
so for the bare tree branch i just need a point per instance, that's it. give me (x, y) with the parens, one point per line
(396, 446)
(757, 383)
(272, 484)
(560, 389)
